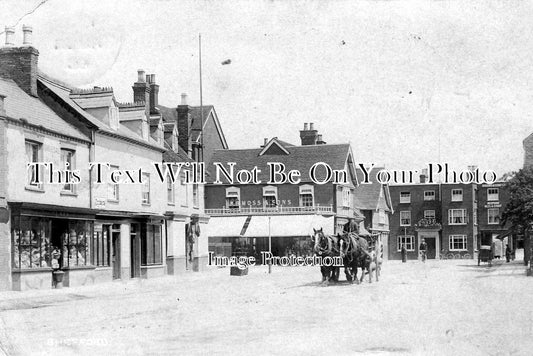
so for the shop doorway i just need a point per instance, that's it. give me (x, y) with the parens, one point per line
(432, 242)
(115, 238)
(135, 251)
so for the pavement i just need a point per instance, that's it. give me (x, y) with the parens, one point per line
(451, 307)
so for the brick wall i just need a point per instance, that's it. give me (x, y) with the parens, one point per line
(20, 65)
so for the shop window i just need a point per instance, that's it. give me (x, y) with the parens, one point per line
(307, 193)
(407, 241)
(31, 242)
(151, 246)
(270, 196)
(68, 164)
(405, 218)
(457, 195)
(457, 216)
(34, 245)
(494, 216)
(457, 243)
(233, 196)
(429, 195)
(493, 194)
(346, 197)
(145, 188)
(112, 188)
(33, 155)
(74, 242)
(100, 246)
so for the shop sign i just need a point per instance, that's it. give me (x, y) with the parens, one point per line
(99, 202)
(493, 205)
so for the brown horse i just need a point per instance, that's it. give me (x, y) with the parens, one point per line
(326, 246)
(356, 255)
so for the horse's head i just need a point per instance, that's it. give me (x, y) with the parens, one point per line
(319, 240)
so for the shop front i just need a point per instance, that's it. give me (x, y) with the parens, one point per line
(48, 238)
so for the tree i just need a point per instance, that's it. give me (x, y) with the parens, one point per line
(519, 210)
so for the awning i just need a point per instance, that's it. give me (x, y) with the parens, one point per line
(504, 234)
(225, 226)
(289, 225)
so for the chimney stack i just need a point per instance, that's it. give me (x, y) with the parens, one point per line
(141, 91)
(265, 141)
(20, 63)
(27, 35)
(184, 125)
(309, 136)
(154, 93)
(423, 175)
(10, 33)
(2, 107)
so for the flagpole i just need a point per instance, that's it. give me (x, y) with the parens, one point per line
(201, 159)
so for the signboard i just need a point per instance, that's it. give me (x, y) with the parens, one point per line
(99, 202)
(493, 205)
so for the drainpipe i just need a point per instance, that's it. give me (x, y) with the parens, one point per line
(91, 159)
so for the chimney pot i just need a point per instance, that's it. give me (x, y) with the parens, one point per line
(148, 77)
(27, 35)
(140, 76)
(2, 107)
(311, 126)
(10, 32)
(319, 137)
(183, 99)
(305, 126)
(152, 78)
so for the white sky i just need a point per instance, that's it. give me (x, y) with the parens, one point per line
(409, 75)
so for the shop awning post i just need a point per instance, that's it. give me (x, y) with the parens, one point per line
(269, 247)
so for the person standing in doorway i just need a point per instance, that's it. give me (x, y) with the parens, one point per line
(423, 249)
(508, 253)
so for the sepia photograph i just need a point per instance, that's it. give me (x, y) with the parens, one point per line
(266, 177)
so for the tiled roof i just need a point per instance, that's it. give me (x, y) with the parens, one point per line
(63, 93)
(172, 156)
(19, 105)
(367, 196)
(301, 158)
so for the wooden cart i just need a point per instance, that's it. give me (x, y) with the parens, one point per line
(485, 255)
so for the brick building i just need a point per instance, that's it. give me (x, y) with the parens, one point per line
(442, 214)
(244, 215)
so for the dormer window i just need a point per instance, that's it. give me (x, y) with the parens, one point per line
(307, 195)
(233, 196)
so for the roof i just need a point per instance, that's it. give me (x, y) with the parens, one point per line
(171, 114)
(173, 156)
(63, 92)
(369, 196)
(20, 105)
(301, 158)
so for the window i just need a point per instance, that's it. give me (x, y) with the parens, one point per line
(31, 242)
(405, 218)
(75, 242)
(382, 216)
(170, 191)
(408, 241)
(307, 193)
(195, 195)
(270, 196)
(33, 155)
(113, 117)
(457, 195)
(146, 188)
(494, 215)
(233, 196)
(100, 246)
(457, 216)
(405, 197)
(429, 214)
(151, 246)
(68, 164)
(429, 195)
(346, 197)
(112, 188)
(185, 188)
(457, 243)
(493, 194)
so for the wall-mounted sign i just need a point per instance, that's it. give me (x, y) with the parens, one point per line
(99, 202)
(493, 205)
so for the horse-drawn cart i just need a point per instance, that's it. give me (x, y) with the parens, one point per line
(485, 254)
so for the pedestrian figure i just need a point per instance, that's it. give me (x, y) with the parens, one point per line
(508, 253)
(404, 253)
(423, 248)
